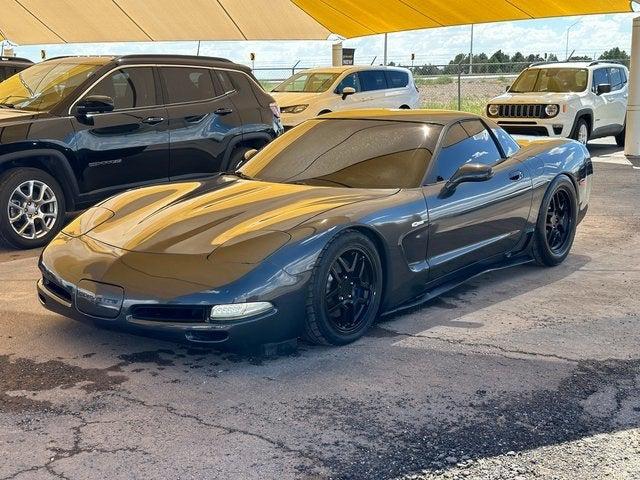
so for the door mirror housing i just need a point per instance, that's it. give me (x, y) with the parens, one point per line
(469, 172)
(249, 154)
(346, 91)
(94, 104)
(603, 88)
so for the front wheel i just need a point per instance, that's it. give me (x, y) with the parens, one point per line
(32, 208)
(581, 132)
(621, 137)
(345, 290)
(557, 221)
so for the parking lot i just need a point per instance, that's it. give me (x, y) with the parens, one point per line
(521, 373)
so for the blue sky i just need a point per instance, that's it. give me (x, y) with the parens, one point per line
(592, 35)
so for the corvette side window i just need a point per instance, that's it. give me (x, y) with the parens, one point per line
(465, 142)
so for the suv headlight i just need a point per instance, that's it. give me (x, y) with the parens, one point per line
(493, 110)
(551, 110)
(294, 108)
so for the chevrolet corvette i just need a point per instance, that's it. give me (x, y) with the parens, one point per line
(345, 218)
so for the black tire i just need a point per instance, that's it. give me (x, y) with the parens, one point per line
(321, 326)
(9, 182)
(621, 136)
(548, 249)
(580, 124)
(237, 158)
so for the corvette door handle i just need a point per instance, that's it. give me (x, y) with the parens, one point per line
(516, 175)
(223, 111)
(153, 120)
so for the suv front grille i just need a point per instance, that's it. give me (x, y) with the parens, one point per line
(521, 110)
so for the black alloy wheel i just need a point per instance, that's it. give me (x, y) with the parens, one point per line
(345, 290)
(557, 223)
(351, 286)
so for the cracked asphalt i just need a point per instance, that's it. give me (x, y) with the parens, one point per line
(520, 373)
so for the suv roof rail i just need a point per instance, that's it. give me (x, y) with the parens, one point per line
(15, 59)
(161, 55)
(597, 62)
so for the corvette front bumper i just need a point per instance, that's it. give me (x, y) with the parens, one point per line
(111, 291)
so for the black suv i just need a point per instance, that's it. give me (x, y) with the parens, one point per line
(11, 65)
(76, 130)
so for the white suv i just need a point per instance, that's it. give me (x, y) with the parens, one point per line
(323, 90)
(580, 100)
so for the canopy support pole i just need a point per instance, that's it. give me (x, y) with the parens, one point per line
(632, 141)
(385, 50)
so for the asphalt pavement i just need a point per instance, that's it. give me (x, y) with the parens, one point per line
(521, 373)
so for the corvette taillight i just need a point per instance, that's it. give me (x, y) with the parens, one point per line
(275, 109)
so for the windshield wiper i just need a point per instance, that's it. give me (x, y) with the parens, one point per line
(7, 105)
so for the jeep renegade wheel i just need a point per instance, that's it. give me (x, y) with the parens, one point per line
(620, 137)
(581, 132)
(32, 208)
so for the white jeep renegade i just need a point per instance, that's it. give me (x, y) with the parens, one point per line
(580, 100)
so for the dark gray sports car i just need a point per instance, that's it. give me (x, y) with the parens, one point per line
(344, 218)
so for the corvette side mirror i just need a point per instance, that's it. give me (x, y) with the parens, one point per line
(346, 91)
(507, 88)
(469, 172)
(249, 154)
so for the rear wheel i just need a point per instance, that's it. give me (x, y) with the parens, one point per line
(237, 158)
(32, 208)
(557, 221)
(344, 295)
(620, 137)
(581, 131)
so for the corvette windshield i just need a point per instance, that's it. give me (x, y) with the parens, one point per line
(351, 153)
(308, 82)
(557, 80)
(45, 84)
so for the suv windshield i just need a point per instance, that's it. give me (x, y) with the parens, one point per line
(348, 153)
(308, 82)
(43, 85)
(558, 80)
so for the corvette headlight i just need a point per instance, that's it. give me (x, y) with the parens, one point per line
(551, 110)
(493, 110)
(294, 109)
(234, 311)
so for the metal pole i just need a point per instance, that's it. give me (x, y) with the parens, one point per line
(293, 69)
(566, 49)
(198, 52)
(471, 53)
(632, 140)
(459, 87)
(385, 49)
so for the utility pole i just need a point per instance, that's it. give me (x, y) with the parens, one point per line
(385, 50)
(566, 50)
(471, 53)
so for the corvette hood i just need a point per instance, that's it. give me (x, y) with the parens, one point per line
(245, 217)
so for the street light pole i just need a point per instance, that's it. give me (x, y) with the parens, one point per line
(566, 50)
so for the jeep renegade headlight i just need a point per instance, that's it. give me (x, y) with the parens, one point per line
(235, 311)
(493, 110)
(294, 109)
(551, 110)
